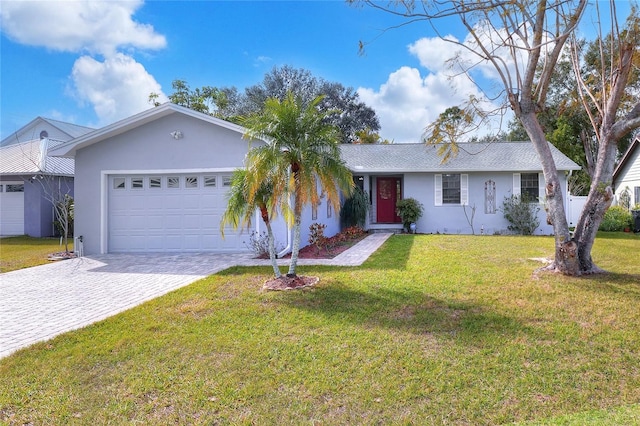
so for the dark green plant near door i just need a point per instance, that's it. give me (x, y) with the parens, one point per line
(409, 210)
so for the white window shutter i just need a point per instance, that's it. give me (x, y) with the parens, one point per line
(516, 184)
(464, 190)
(541, 191)
(438, 189)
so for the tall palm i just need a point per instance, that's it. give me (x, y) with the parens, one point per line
(241, 206)
(301, 148)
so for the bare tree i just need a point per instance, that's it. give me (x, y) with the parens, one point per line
(521, 42)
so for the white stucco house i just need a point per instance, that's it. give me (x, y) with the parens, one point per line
(28, 176)
(157, 182)
(626, 176)
(480, 176)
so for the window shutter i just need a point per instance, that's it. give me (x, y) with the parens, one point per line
(541, 191)
(516, 184)
(464, 190)
(438, 189)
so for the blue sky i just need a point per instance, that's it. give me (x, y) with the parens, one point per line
(92, 63)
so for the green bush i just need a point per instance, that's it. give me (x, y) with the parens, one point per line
(355, 208)
(616, 219)
(521, 213)
(409, 210)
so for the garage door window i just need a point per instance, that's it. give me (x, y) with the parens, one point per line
(226, 180)
(137, 183)
(210, 181)
(16, 187)
(191, 182)
(173, 182)
(1, 187)
(118, 183)
(155, 182)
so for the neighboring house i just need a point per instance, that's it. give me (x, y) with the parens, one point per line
(626, 176)
(29, 177)
(480, 176)
(157, 182)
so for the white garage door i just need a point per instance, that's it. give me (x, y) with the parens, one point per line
(170, 213)
(12, 208)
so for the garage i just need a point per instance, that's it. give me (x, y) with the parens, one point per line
(170, 213)
(12, 208)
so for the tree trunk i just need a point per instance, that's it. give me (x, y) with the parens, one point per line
(295, 249)
(566, 251)
(598, 201)
(272, 251)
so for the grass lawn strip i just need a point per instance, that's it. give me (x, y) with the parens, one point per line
(25, 252)
(431, 330)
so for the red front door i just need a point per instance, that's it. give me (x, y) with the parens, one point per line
(388, 193)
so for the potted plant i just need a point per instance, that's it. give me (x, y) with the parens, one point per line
(409, 210)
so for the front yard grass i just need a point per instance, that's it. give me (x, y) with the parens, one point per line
(24, 252)
(432, 329)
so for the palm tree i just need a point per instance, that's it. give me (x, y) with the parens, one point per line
(302, 149)
(241, 207)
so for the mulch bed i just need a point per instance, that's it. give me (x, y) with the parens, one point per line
(289, 283)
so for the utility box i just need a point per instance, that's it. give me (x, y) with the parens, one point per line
(636, 220)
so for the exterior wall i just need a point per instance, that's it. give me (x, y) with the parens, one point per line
(150, 147)
(33, 132)
(451, 219)
(629, 178)
(38, 211)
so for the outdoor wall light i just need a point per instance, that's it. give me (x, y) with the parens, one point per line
(176, 134)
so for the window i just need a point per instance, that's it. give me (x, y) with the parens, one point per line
(44, 134)
(15, 187)
(226, 180)
(137, 183)
(209, 181)
(155, 182)
(1, 187)
(329, 209)
(173, 182)
(636, 195)
(451, 189)
(529, 187)
(191, 182)
(118, 183)
(314, 212)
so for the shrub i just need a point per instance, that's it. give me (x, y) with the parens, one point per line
(316, 235)
(521, 213)
(355, 208)
(409, 210)
(259, 244)
(616, 219)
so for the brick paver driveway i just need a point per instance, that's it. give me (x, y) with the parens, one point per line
(39, 303)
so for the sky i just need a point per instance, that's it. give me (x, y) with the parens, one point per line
(95, 62)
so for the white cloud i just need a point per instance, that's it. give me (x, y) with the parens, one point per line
(407, 102)
(117, 88)
(78, 26)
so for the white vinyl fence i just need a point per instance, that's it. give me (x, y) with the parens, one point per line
(574, 208)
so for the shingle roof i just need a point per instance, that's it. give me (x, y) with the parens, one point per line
(27, 158)
(478, 157)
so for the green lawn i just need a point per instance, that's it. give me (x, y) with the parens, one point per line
(24, 252)
(433, 329)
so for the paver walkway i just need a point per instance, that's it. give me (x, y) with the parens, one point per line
(39, 303)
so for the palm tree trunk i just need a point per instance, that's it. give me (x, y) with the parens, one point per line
(295, 249)
(272, 251)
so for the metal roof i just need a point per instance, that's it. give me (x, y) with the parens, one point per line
(29, 157)
(472, 157)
